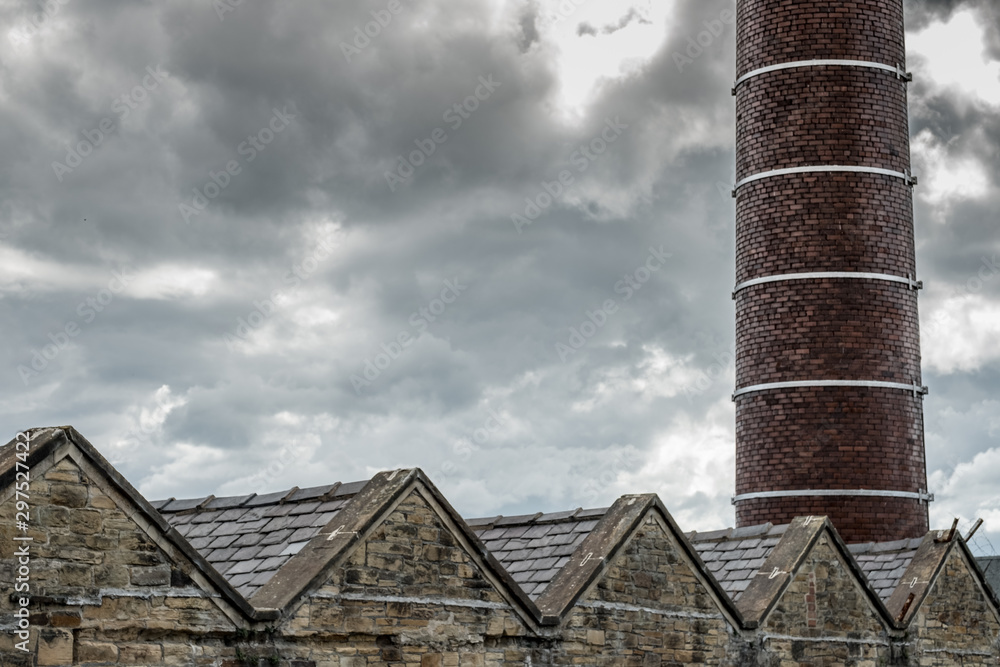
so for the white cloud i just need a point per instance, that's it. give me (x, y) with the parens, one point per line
(960, 335)
(953, 57)
(583, 62)
(692, 457)
(171, 282)
(968, 492)
(948, 172)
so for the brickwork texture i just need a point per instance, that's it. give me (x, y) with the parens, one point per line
(818, 329)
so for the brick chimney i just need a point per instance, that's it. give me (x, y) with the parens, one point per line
(829, 415)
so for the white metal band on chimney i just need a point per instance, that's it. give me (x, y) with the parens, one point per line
(897, 70)
(915, 388)
(910, 179)
(922, 496)
(819, 275)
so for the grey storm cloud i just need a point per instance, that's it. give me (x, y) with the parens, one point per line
(632, 15)
(238, 334)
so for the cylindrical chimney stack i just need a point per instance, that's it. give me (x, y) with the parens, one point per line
(829, 415)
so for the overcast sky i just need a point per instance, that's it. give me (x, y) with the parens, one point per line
(248, 246)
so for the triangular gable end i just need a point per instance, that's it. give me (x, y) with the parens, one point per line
(397, 542)
(637, 528)
(811, 595)
(946, 604)
(99, 561)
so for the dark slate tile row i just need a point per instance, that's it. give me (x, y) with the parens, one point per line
(248, 538)
(534, 547)
(735, 556)
(885, 563)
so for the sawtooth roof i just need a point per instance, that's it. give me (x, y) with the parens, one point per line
(885, 563)
(534, 547)
(735, 556)
(248, 538)
(261, 552)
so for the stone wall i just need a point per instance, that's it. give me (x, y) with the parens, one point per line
(103, 590)
(824, 617)
(649, 608)
(113, 585)
(955, 624)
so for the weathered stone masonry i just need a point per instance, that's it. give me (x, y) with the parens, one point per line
(385, 572)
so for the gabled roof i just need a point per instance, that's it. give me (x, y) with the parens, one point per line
(734, 556)
(335, 542)
(927, 563)
(46, 442)
(785, 560)
(885, 563)
(263, 552)
(990, 566)
(248, 538)
(599, 548)
(533, 548)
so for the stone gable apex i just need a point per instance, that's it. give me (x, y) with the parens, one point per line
(333, 546)
(617, 528)
(50, 446)
(783, 566)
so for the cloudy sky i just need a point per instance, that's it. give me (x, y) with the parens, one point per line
(246, 246)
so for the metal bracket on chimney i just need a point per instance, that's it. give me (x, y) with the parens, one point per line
(917, 389)
(921, 495)
(908, 178)
(897, 70)
(820, 275)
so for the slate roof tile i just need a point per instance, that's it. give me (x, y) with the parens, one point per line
(534, 547)
(735, 556)
(181, 505)
(272, 550)
(304, 508)
(228, 501)
(202, 542)
(311, 493)
(303, 534)
(248, 538)
(331, 505)
(205, 517)
(349, 489)
(277, 537)
(267, 499)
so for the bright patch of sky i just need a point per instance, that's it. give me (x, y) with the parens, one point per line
(954, 56)
(615, 41)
